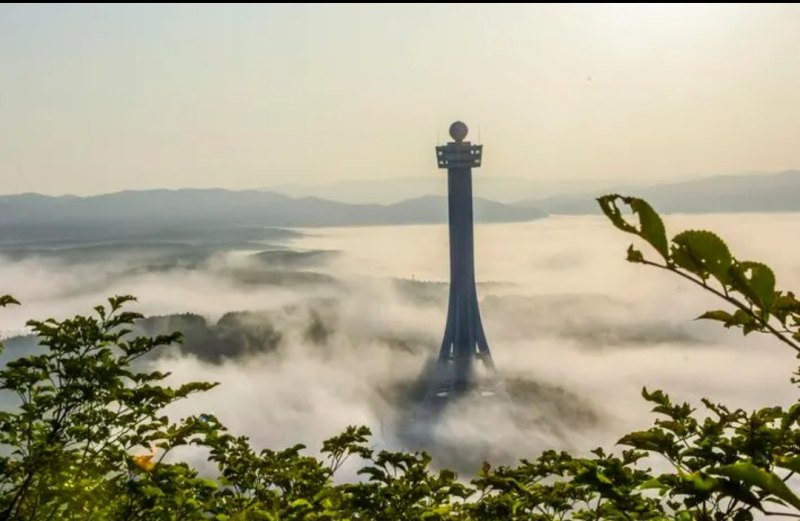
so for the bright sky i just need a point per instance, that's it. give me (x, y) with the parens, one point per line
(97, 98)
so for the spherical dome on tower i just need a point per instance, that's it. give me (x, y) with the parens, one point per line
(458, 131)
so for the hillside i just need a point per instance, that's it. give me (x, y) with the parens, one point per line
(778, 192)
(154, 214)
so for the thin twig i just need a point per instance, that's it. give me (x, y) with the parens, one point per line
(729, 299)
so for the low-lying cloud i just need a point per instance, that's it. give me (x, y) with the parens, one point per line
(303, 350)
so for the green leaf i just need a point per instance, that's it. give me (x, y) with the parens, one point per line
(152, 490)
(300, 503)
(701, 482)
(755, 281)
(209, 483)
(634, 255)
(656, 396)
(703, 253)
(7, 300)
(788, 462)
(740, 318)
(602, 478)
(744, 320)
(653, 440)
(653, 230)
(651, 227)
(717, 314)
(754, 476)
(608, 203)
(791, 417)
(447, 475)
(785, 305)
(652, 483)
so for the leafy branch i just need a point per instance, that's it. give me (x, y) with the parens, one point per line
(702, 258)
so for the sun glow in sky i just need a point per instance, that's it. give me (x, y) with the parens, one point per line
(99, 97)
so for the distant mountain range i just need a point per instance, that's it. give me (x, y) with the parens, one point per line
(151, 214)
(778, 192)
(502, 189)
(33, 217)
(247, 207)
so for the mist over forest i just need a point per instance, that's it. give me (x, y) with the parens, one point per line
(312, 329)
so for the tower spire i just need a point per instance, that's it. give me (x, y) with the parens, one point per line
(464, 341)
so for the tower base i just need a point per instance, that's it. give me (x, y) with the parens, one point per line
(443, 387)
(453, 426)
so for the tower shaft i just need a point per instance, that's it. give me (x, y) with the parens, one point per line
(464, 340)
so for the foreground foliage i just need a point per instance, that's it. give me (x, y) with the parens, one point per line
(85, 436)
